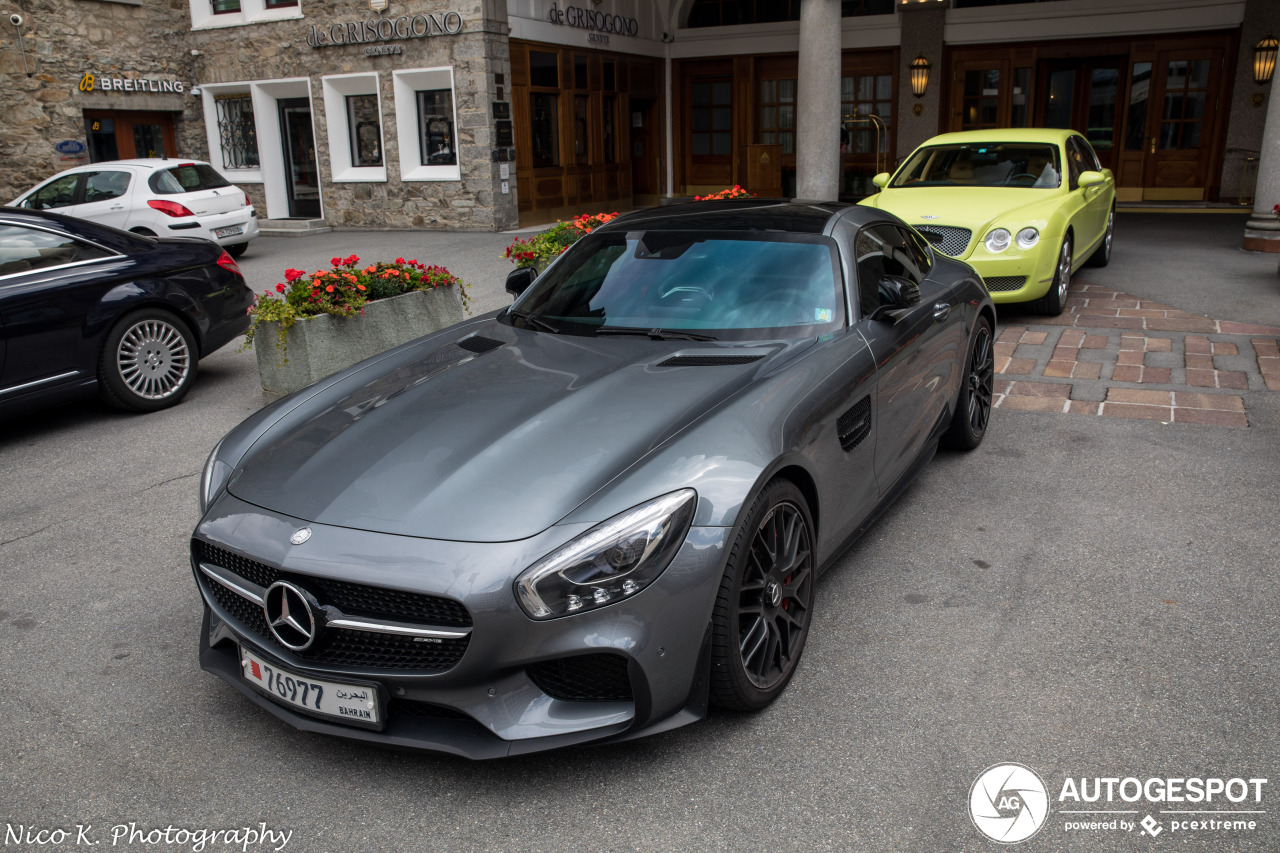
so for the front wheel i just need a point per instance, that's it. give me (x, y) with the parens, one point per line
(1055, 301)
(765, 603)
(973, 405)
(1102, 255)
(148, 362)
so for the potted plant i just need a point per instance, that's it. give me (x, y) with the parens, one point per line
(541, 249)
(318, 323)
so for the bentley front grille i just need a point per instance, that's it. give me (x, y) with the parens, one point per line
(946, 239)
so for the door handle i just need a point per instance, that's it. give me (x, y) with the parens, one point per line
(1153, 145)
(941, 311)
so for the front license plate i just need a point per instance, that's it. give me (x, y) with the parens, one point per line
(348, 703)
(229, 231)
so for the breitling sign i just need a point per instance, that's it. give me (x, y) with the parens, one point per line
(386, 29)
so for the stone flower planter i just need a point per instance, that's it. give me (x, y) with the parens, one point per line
(320, 346)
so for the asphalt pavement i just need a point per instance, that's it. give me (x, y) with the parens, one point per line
(1089, 597)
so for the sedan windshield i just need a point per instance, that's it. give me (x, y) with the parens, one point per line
(671, 284)
(992, 164)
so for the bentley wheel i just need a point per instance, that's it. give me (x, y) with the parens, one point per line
(1102, 255)
(973, 406)
(148, 362)
(1053, 302)
(765, 604)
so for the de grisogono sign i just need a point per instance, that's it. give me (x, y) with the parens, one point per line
(386, 29)
(589, 19)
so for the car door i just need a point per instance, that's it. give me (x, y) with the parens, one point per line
(918, 352)
(56, 194)
(1096, 199)
(48, 284)
(105, 197)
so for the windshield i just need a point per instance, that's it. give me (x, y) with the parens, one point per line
(721, 285)
(992, 164)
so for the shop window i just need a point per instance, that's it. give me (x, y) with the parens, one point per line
(580, 72)
(1020, 115)
(1139, 94)
(427, 125)
(544, 69)
(581, 138)
(609, 70)
(981, 99)
(711, 118)
(860, 97)
(607, 128)
(778, 114)
(231, 13)
(236, 132)
(364, 125)
(225, 7)
(102, 140)
(545, 120)
(280, 4)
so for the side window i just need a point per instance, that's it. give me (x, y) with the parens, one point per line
(57, 193)
(1075, 164)
(26, 249)
(103, 186)
(1089, 159)
(883, 250)
(919, 251)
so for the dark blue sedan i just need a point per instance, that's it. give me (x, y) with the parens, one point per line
(85, 308)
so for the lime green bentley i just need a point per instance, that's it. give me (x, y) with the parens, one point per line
(1024, 207)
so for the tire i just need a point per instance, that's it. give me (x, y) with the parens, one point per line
(237, 250)
(1053, 302)
(148, 361)
(973, 404)
(1102, 255)
(145, 232)
(765, 604)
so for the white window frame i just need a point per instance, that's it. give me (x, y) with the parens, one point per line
(208, 98)
(337, 88)
(406, 85)
(251, 12)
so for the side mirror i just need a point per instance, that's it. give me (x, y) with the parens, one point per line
(519, 279)
(881, 180)
(897, 297)
(1090, 179)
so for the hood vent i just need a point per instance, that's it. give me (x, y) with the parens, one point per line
(707, 360)
(475, 343)
(855, 424)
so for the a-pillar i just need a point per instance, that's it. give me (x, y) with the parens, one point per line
(818, 101)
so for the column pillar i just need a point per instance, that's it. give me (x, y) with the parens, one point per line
(818, 101)
(922, 28)
(1262, 231)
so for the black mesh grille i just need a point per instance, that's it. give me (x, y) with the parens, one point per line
(707, 360)
(475, 343)
(351, 598)
(1000, 283)
(855, 424)
(946, 239)
(585, 678)
(425, 710)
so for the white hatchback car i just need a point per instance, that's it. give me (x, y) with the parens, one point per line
(160, 197)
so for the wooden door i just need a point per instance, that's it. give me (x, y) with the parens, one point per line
(1180, 123)
(126, 134)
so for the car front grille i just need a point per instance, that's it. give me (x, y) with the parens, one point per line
(946, 239)
(338, 646)
(584, 678)
(1004, 283)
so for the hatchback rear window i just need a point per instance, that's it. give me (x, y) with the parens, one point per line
(187, 178)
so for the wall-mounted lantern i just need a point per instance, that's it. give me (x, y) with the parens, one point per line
(1264, 59)
(920, 73)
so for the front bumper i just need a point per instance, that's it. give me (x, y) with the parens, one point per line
(1014, 275)
(489, 703)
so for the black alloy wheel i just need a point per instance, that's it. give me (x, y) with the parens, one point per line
(973, 405)
(765, 604)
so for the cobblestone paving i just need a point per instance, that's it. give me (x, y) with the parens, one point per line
(1111, 354)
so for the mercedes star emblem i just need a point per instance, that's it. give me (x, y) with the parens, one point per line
(300, 535)
(290, 615)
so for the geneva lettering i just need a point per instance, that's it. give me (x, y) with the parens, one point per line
(386, 29)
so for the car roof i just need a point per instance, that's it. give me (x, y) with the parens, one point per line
(1049, 135)
(796, 217)
(154, 163)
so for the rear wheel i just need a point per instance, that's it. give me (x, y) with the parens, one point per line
(1102, 255)
(973, 406)
(765, 604)
(237, 250)
(148, 361)
(1053, 302)
(145, 232)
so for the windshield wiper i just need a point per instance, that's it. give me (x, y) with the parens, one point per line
(537, 322)
(655, 334)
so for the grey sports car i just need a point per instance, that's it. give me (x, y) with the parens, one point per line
(592, 515)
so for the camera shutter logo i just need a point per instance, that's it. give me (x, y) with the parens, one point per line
(1008, 803)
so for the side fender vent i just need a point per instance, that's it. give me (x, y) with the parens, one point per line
(475, 343)
(855, 424)
(707, 360)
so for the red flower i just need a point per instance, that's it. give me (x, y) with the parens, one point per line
(359, 287)
(352, 259)
(337, 262)
(399, 260)
(329, 288)
(292, 275)
(280, 288)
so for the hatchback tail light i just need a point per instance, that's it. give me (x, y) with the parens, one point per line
(225, 261)
(170, 208)
(247, 201)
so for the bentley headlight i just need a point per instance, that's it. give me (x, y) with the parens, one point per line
(997, 240)
(1027, 238)
(610, 562)
(213, 479)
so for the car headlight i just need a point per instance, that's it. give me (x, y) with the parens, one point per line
(1027, 238)
(213, 478)
(610, 562)
(997, 240)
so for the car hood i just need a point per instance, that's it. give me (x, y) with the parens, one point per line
(975, 208)
(493, 446)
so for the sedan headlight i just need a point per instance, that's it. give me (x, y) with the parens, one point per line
(213, 478)
(1027, 238)
(611, 561)
(997, 240)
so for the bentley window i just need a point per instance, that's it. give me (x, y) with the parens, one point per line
(993, 164)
